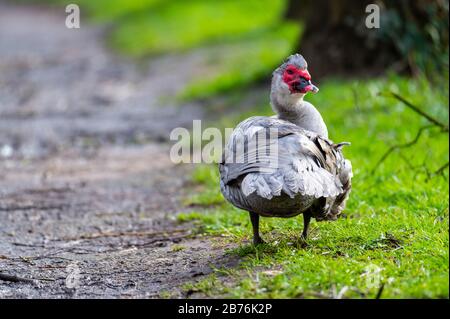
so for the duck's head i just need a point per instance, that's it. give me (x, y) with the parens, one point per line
(291, 80)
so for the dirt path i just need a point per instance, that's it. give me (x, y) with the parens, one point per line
(88, 194)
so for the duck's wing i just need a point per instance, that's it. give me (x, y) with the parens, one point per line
(294, 161)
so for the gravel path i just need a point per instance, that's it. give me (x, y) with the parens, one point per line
(88, 194)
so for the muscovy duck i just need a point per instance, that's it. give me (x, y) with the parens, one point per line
(295, 168)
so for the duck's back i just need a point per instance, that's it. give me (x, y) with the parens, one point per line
(281, 174)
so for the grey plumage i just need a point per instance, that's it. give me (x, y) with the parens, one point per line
(309, 167)
(295, 171)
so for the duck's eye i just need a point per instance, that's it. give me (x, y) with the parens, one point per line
(289, 71)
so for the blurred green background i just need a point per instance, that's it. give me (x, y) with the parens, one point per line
(397, 215)
(246, 40)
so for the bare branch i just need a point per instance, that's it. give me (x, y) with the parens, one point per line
(416, 109)
(400, 146)
(441, 169)
(13, 278)
(436, 122)
(380, 291)
(124, 234)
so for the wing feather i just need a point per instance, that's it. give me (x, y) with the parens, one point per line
(302, 163)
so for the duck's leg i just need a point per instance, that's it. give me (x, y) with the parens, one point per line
(306, 220)
(255, 224)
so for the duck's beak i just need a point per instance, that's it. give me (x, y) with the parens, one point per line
(304, 86)
(312, 88)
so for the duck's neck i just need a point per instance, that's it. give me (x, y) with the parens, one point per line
(303, 114)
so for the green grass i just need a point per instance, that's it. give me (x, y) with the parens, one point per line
(395, 224)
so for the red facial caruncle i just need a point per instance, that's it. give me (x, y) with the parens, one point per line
(298, 80)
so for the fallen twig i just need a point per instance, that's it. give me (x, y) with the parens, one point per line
(148, 243)
(32, 207)
(380, 291)
(441, 169)
(400, 146)
(122, 234)
(28, 245)
(13, 278)
(416, 109)
(434, 121)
